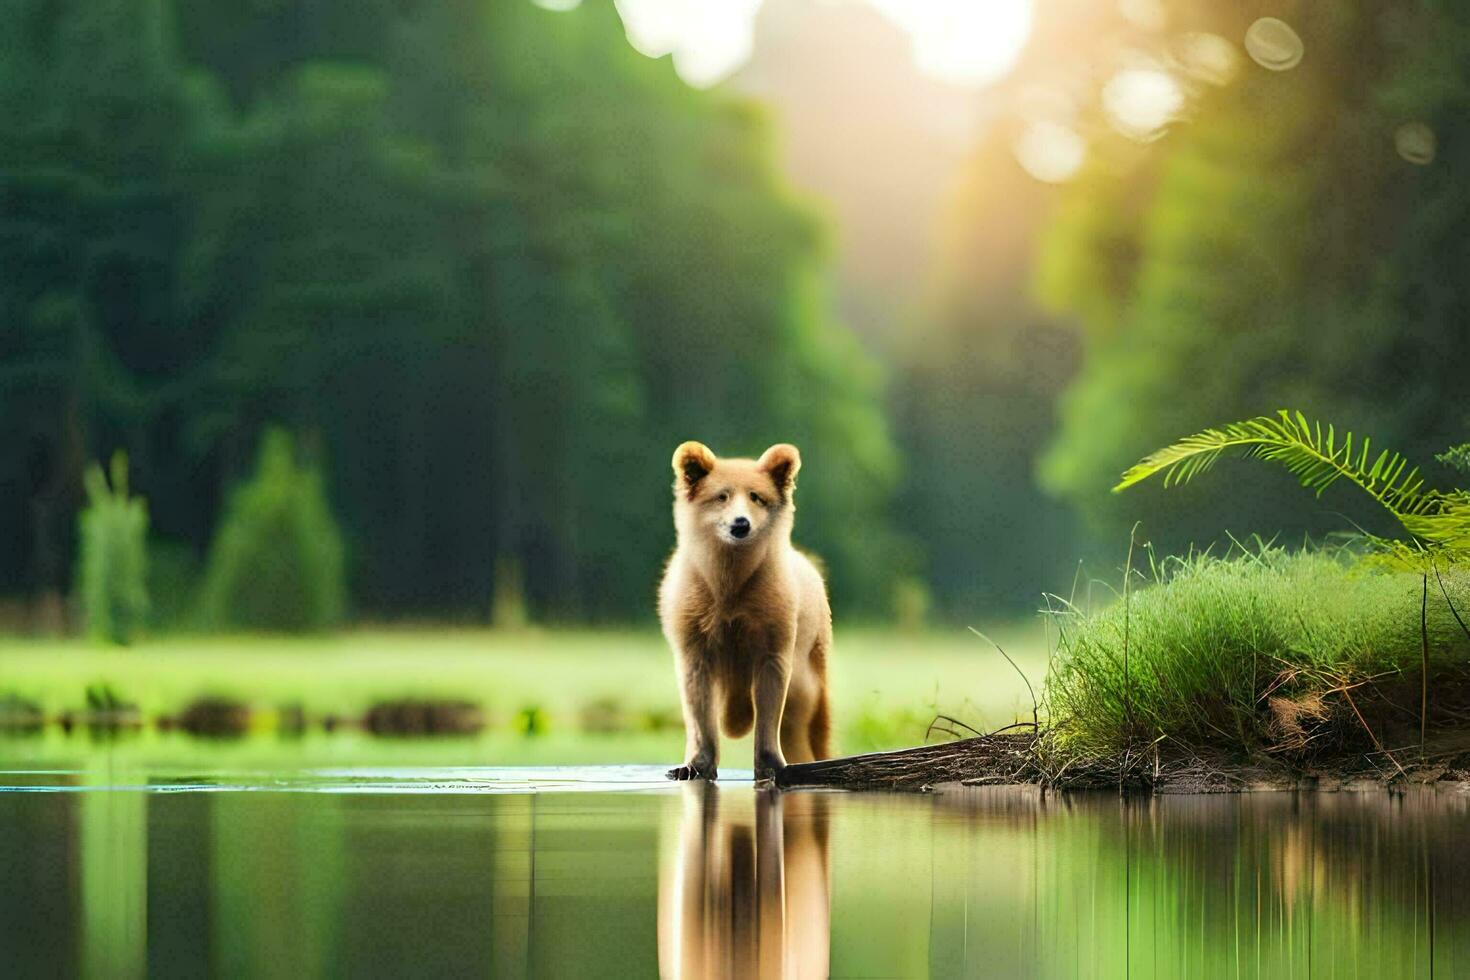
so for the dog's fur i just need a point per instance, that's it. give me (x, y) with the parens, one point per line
(747, 618)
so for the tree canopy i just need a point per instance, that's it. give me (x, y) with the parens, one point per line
(486, 260)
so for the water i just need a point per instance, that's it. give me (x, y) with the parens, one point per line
(610, 871)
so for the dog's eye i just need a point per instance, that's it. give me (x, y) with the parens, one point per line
(724, 496)
(756, 498)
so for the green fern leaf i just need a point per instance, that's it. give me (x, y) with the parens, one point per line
(1440, 519)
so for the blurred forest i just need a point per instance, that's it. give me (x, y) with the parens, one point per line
(1247, 239)
(489, 265)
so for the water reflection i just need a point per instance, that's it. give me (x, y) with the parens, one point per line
(745, 893)
(702, 880)
(114, 853)
(1290, 885)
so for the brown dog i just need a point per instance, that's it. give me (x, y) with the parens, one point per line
(745, 612)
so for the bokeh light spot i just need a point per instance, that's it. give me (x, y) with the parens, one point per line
(1415, 142)
(1273, 44)
(1140, 102)
(1149, 15)
(1050, 152)
(1207, 57)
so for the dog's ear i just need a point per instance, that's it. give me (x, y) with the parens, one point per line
(782, 461)
(692, 463)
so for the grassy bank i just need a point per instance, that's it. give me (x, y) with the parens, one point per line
(1299, 658)
(1295, 655)
(887, 686)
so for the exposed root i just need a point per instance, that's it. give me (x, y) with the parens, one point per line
(1011, 760)
(987, 758)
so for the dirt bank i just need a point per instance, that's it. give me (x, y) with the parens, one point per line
(1015, 760)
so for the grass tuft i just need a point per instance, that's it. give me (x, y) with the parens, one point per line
(1260, 651)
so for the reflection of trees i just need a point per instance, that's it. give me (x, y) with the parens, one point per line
(114, 846)
(39, 934)
(1353, 854)
(277, 884)
(1362, 884)
(746, 891)
(312, 884)
(991, 882)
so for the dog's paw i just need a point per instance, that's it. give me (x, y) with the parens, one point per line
(768, 766)
(692, 770)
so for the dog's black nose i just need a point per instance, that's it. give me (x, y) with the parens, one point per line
(740, 527)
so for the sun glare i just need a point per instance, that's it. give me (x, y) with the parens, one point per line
(708, 41)
(966, 42)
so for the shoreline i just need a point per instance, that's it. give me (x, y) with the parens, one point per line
(1011, 760)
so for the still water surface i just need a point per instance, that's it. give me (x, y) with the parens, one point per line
(613, 872)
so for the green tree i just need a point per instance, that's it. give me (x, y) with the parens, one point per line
(92, 108)
(276, 562)
(113, 557)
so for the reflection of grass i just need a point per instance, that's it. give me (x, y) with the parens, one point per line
(885, 685)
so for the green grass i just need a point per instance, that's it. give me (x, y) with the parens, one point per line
(886, 686)
(1257, 651)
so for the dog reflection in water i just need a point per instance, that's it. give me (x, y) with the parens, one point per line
(743, 885)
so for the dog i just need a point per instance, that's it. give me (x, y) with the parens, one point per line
(745, 612)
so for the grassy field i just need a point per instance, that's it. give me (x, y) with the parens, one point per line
(886, 686)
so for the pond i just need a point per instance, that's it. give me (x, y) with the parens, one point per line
(116, 870)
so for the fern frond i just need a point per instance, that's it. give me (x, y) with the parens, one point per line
(1457, 456)
(1440, 518)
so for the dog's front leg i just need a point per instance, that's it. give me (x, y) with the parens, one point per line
(701, 735)
(772, 675)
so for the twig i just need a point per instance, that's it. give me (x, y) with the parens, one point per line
(1447, 601)
(1285, 677)
(1364, 722)
(1424, 659)
(1127, 676)
(953, 721)
(1075, 576)
(1006, 728)
(1024, 679)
